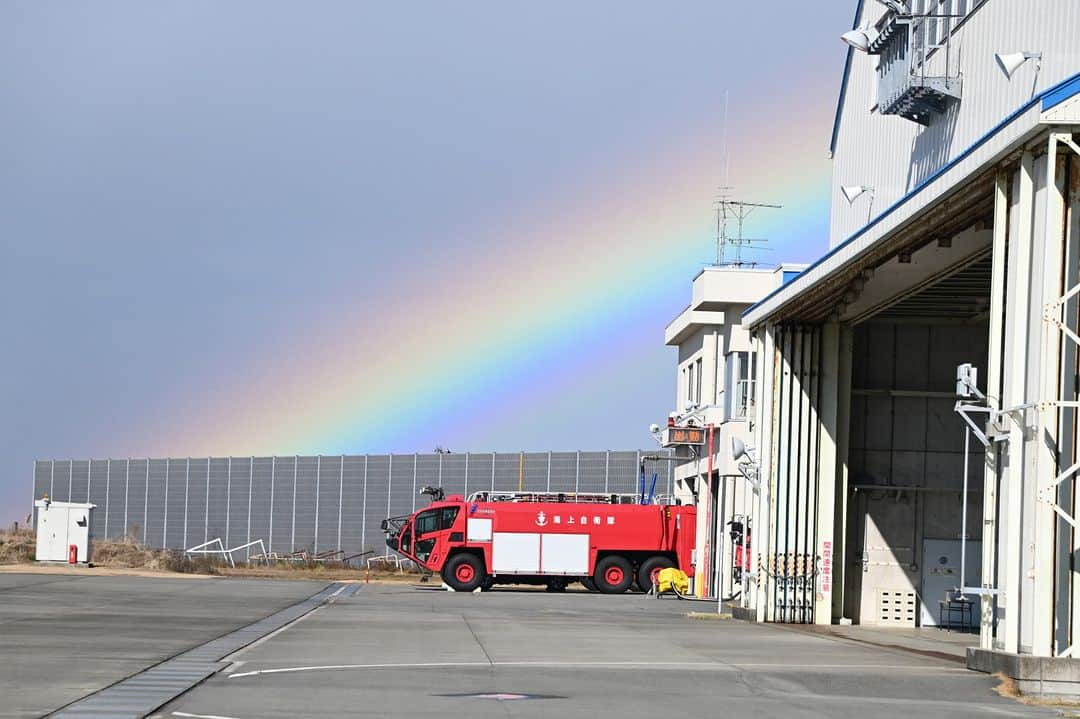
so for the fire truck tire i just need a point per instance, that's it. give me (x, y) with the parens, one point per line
(588, 583)
(614, 575)
(646, 576)
(464, 572)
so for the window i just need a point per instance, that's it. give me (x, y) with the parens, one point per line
(741, 369)
(434, 520)
(447, 517)
(690, 382)
(697, 387)
(427, 522)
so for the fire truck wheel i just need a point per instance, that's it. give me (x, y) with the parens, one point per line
(614, 574)
(649, 570)
(588, 583)
(464, 572)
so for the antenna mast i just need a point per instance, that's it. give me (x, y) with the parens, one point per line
(730, 210)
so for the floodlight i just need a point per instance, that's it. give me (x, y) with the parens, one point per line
(738, 449)
(1010, 62)
(857, 39)
(851, 192)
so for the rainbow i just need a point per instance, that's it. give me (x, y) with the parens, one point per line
(454, 339)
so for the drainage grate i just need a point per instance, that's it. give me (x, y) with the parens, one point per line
(144, 692)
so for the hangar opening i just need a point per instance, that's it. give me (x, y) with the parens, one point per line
(905, 497)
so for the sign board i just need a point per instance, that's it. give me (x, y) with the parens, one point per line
(676, 436)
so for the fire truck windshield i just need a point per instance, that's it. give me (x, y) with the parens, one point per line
(427, 524)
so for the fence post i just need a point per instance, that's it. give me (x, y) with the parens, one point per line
(549, 472)
(206, 513)
(146, 501)
(415, 458)
(187, 488)
(318, 482)
(363, 510)
(228, 502)
(251, 488)
(273, 472)
(389, 486)
(340, 498)
(577, 473)
(108, 480)
(292, 537)
(607, 468)
(164, 503)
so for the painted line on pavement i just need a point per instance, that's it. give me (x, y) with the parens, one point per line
(699, 666)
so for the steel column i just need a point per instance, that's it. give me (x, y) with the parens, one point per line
(1019, 283)
(1044, 450)
(988, 603)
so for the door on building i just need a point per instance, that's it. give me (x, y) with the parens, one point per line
(941, 576)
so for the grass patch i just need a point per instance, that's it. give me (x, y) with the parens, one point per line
(17, 546)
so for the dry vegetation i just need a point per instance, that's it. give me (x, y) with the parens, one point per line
(17, 546)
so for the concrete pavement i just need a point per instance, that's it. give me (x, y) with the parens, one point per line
(65, 636)
(399, 651)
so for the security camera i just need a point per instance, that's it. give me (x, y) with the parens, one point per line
(654, 428)
(690, 405)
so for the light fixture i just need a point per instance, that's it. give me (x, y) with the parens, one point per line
(738, 449)
(858, 39)
(1010, 62)
(853, 192)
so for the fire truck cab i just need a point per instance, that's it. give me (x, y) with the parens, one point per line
(608, 542)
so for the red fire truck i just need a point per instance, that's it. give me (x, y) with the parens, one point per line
(608, 542)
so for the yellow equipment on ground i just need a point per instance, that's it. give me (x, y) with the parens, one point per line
(672, 580)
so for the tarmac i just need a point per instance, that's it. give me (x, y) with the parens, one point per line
(404, 651)
(399, 650)
(64, 636)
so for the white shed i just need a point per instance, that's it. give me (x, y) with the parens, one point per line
(61, 526)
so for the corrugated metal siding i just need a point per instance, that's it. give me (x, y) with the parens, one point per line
(893, 155)
(309, 503)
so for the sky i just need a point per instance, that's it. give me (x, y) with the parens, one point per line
(335, 227)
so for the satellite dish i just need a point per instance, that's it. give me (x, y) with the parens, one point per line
(738, 448)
